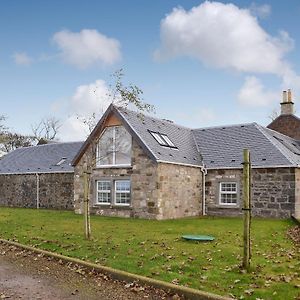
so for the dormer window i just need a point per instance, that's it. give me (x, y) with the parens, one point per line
(162, 139)
(114, 147)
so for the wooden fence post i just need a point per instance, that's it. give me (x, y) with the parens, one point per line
(87, 221)
(246, 209)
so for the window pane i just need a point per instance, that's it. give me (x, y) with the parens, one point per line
(103, 185)
(122, 146)
(169, 142)
(228, 193)
(103, 191)
(122, 192)
(105, 147)
(103, 197)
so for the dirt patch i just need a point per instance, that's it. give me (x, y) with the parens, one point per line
(27, 275)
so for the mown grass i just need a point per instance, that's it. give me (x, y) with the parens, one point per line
(155, 249)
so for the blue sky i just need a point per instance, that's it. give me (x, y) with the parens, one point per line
(199, 63)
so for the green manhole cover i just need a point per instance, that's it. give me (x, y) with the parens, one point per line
(198, 237)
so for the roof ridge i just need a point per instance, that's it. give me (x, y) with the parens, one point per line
(266, 134)
(226, 126)
(155, 118)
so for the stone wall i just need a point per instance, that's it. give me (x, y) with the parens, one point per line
(143, 175)
(180, 191)
(158, 190)
(273, 192)
(297, 194)
(56, 190)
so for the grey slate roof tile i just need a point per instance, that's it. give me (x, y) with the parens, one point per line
(181, 136)
(222, 147)
(40, 159)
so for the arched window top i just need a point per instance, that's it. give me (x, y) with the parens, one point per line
(114, 147)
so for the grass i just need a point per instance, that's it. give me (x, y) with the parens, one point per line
(155, 249)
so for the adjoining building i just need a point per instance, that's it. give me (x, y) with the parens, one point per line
(39, 176)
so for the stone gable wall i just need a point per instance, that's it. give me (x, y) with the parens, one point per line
(273, 192)
(158, 191)
(56, 190)
(143, 176)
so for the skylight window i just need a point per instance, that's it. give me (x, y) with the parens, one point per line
(61, 161)
(162, 139)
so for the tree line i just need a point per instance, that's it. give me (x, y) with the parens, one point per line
(42, 132)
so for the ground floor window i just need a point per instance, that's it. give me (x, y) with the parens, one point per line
(228, 193)
(113, 192)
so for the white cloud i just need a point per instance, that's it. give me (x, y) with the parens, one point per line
(22, 59)
(87, 48)
(87, 99)
(261, 11)
(223, 36)
(254, 94)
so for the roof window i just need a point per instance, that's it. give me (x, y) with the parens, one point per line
(162, 139)
(63, 159)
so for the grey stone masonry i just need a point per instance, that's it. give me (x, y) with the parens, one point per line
(273, 192)
(56, 190)
(158, 190)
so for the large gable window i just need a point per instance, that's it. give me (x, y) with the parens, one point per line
(114, 147)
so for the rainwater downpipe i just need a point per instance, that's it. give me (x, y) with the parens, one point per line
(204, 173)
(37, 191)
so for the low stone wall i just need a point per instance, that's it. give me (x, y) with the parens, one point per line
(56, 190)
(273, 192)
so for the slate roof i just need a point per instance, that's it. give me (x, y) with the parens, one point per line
(215, 147)
(222, 146)
(40, 159)
(182, 137)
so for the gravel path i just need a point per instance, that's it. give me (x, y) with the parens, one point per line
(26, 275)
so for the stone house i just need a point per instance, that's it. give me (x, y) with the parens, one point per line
(142, 167)
(151, 168)
(39, 176)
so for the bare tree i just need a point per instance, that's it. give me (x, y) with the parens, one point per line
(120, 95)
(12, 141)
(46, 129)
(274, 114)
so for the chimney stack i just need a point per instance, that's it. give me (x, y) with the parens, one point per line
(287, 105)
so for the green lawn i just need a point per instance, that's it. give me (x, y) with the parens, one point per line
(155, 249)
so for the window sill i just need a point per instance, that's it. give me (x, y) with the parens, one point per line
(228, 206)
(114, 206)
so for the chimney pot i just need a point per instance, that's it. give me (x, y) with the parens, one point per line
(284, 97)
(289, 95)
(287, 105)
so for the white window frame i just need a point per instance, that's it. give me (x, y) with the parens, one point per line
(103, 191)
(125, 192)
(162, 139)
(228, 192)
(98, 165)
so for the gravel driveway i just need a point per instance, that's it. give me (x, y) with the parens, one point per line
(27, 275)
